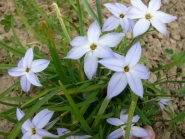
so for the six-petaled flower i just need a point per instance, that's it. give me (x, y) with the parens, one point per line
(94, 47)
(119, 17)
(148, 15)
(26, 69)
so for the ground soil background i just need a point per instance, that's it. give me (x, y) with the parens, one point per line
(154, 52)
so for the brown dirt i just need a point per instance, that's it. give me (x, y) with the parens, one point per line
(154, 53)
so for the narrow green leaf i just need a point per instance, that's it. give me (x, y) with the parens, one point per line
(15, 36)
(3, 94)
(76, 111)
(142, 115)
(90, 10)
(56, 59)
(98, 6)
(80, 15)
(7, 66)
(180, 117)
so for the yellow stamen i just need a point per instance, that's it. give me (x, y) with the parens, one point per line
(93, 46)
(148, 16)
(27, 69)
(126, 69)
(121, 15)
(33, 131)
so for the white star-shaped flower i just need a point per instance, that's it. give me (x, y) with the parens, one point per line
(63, 131)
(26, 69)
(34, 129)
(94, 47)
(163, 101)
(121, 131)
(119, 17)
(128, 70)
(147, 15)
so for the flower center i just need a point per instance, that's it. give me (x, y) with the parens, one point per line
(121, 15)
(27, 69)
(93, 46)
(33, 131)
(126, 69)
(148, 16)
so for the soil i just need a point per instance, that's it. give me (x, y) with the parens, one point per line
(154, 53)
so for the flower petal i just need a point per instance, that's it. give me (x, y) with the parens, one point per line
(135, 13)
(110, 24)
(90, 64)
(160, 26)
(116, 84)
(78, 51)
(133, 55)
(141, 27)
(139, 132)
(19, 114)
(28, 58)
(139, 4)
(32, 78)
(20, 64)
(122, 7)
(116, 134)
(112, 64)
(35, 137)
(103, 51)
(114, 121)
(42, 118)
(39, 65)
(135, 119)
(62, 131)
(16, 71)
(93, 33)
(161, 106)
(153, 6)
(25, 84)
(141, 70)
(124, 24)
(118, 56)
(27, 125)
(123, 112)
(124, 118)
(27, 135)
(111, 39)
(131, 25)
(113, 9)
(44, 133)
(79, 40)
(135, 84)
(164, 17)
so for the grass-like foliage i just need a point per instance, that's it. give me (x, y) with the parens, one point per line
(91, 84)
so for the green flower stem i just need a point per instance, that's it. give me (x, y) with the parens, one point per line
(101, 111)
(59, 16)
(131, 114)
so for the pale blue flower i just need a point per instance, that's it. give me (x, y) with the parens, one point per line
(94, 47)
(128, 70)
(119, 17)
(148, 15)
(34, 129)
(121, 131)
(26, 69)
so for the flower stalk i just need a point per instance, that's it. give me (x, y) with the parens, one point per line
(59, 16)
(131, 113)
